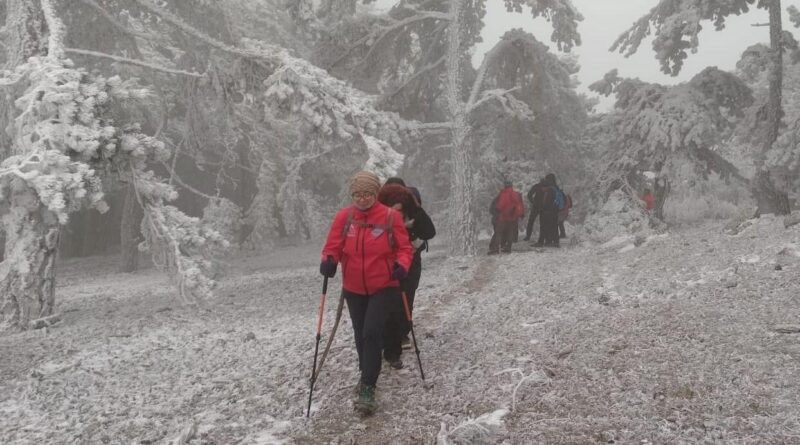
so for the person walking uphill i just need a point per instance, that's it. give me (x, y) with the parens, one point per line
(370, 240)
(420, 229)
(509, 209)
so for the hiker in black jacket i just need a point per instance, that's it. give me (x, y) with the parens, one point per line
(535, 200)
(420, 230)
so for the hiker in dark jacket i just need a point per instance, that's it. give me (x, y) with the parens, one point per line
(535, 200)
(548, 217)
(371, 242)
(420, 230)
(507, 209)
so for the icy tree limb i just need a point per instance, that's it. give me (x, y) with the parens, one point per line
(419, 73)
(384, 31)
(106, 15)
(186, 435)
(487, 60)
(133, 62)
(489, 95)
(44, 321)
(274, 58)
(402, 24)
(55, 42)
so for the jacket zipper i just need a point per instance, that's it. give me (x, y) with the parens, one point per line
(364, 263)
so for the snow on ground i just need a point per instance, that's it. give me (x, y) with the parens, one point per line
(685, 338)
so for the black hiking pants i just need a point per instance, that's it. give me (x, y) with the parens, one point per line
(548, 227)
(369, 315)
(504, 235)
(397, 326)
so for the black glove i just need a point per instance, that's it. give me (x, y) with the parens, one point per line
(399, 272)
(328, 267)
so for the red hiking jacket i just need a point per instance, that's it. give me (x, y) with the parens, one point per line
(649, 201)
(509, 205)
(365, 251)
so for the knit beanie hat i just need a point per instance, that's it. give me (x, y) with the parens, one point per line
(365, 182)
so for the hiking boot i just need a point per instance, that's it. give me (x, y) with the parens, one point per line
(537, 245)
(493, 252)
(395, 363)
(365, 403)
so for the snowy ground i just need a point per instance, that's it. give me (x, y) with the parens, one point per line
(677, 340)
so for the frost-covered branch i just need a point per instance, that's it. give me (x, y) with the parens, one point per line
(419, 73)
(376, 36)
(676, 25)
(270, 54)
(140, 63)
(55, 42)
(491, 94)
(106, 15)
(487, 428)
(481, 75)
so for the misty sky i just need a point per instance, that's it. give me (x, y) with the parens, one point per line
(605, 20)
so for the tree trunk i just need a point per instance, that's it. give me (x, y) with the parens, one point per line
(130, 231)
(28, 274)
(26, 30)
(769, 198)
(462, 222)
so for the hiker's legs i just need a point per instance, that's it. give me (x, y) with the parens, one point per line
(531, 220)
(378, 307)
(392, 334)
(542, 227)
(551, 227)
(357, 306)
(561, 230)
(494, 244)
(506, 235)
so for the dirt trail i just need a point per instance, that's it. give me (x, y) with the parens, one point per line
(671, 342)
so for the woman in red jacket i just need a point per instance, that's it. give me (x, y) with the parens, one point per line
(371, 242)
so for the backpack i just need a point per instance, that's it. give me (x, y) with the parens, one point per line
(559, 200)
(385, 227)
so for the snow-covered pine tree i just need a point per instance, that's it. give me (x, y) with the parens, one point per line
(676, 25)
(754, 66)
(420, 52)
(63, 143)
(655, 127)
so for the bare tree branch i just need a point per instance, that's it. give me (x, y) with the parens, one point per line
(133, 62)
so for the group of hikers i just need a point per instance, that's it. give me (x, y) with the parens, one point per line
(378, 240)
(547, 202)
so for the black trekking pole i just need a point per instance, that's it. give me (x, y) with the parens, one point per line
(316, 347)
(414, 338)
